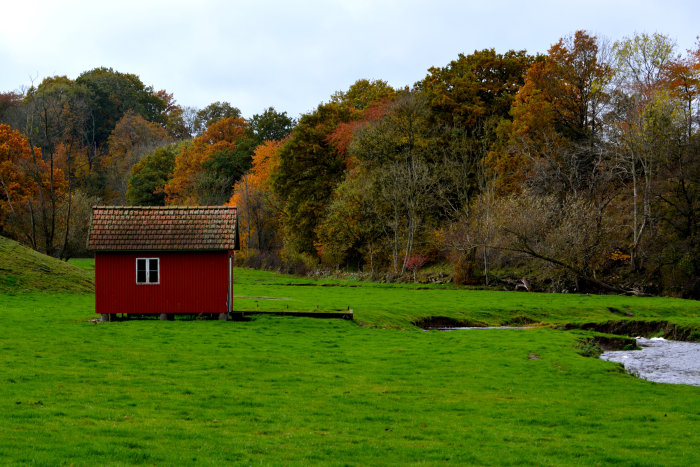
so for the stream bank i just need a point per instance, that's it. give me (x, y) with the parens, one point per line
(633, 328)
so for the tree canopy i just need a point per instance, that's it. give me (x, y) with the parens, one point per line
(572, 170)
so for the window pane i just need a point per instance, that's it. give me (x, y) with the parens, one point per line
(140, 271)
(153, 270)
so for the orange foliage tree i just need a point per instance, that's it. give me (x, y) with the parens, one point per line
(556, 118)
(16, 186)
(342, 136)
(220, 138)
(683, 78)
(24, 178)
(173, 116)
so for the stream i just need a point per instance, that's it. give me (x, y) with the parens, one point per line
(661, 361)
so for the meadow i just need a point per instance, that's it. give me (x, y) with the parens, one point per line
(299, 391)
(398, 305)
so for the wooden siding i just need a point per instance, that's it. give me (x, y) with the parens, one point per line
(190, 282)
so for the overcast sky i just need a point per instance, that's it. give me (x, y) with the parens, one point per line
(294, 54)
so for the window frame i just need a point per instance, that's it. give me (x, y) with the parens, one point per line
(148, 270)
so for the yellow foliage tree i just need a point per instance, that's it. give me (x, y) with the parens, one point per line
(132, 138)
(254, 197)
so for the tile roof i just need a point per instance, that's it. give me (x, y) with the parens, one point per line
(128, 228)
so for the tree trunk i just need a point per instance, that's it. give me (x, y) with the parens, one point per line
(64, 249)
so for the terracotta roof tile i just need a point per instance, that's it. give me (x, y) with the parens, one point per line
(126, 228)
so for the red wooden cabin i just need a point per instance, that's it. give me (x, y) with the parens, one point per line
(163, 260)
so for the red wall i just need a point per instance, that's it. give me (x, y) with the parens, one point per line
(190, 282)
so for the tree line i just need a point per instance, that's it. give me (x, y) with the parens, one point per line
(66, 145)
(573, 170)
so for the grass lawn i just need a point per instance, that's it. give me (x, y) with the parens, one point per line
(284, 390)
(87, 264)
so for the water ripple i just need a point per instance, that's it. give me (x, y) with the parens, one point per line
(661, 361)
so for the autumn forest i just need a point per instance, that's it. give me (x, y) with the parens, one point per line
(577, 170)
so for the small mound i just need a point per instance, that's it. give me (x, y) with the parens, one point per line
(25, 270)
(519, 320)
(441, 322)
(595, 345)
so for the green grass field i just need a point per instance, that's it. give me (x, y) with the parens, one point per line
(300, 391)
(398, 305)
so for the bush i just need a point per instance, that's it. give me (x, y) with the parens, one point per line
(256, 259)
(466, 273)
(414, 263)
(301, 264)
(588, 348)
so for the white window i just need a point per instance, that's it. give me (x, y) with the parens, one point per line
(147, 271)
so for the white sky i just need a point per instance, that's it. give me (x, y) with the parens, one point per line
(294, 54)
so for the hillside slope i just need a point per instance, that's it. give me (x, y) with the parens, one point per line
(25, 270)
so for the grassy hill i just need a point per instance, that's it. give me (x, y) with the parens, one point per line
(25, 270)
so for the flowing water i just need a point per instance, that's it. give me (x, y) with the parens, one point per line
(661, 361)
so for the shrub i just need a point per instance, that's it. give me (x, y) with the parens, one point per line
(414, 263)
(301, 264)
(588, 348)
(465, 273)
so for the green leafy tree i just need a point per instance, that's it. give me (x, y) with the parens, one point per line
(475, 88)
(222, 170)
(350, 232)
(309, 171)
(149, 176)
(213, 113)
(468, 100)
(270, 126)
(112, 95)
(363, 93)
(399, 151)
